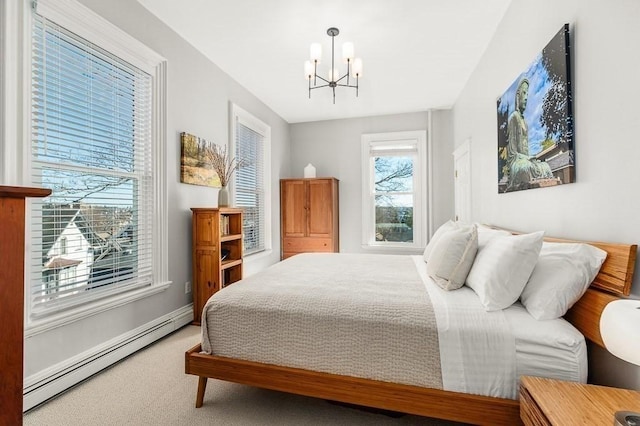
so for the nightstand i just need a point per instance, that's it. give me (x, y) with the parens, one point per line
(555, 402)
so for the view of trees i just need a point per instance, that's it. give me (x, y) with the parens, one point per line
(556, 107)
(394, 198)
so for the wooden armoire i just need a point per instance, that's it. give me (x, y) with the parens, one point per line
(309, 216)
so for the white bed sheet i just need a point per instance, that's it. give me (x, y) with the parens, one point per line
(477, 348)
(553, 348)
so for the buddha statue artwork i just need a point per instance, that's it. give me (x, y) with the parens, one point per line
(524, 169)
(535, 138)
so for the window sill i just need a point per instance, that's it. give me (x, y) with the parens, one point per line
(60, 319)
(393, 249)
(258, 255)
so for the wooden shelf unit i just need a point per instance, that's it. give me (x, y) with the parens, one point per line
(215, 230)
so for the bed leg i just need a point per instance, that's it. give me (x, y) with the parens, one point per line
(202, 386)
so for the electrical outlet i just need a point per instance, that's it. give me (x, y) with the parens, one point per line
(187, 287)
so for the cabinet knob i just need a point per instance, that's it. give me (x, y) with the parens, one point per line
(209, 283)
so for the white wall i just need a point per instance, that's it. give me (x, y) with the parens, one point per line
(334, 148)
(603, 203)
(198, 102)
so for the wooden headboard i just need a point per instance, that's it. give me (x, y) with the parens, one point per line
(616, 274)
(613, 280)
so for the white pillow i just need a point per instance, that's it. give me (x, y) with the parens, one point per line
(563, 273)
(486, 234)
(502, 269)
(452, 256)
(447, 226)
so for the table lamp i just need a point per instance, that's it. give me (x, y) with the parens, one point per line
(620, 331)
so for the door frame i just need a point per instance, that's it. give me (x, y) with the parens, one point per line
(462, 159)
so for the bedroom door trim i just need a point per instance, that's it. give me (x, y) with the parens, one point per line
(462, 181)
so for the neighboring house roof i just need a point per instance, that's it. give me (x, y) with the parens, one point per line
(107, 230)
(59, 263)
(56, 218)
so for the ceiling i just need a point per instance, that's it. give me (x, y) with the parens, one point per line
(417, 54)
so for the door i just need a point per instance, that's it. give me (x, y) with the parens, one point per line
(320, 208)
(462, 181)
(293, 197)
(205, 229)
(206, 280)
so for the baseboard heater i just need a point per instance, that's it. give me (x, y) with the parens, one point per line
(48, 383)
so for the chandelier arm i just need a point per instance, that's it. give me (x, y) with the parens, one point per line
(348, 69)
(343, 77)
(347, 85)
(323, 79)
(315, 72)
(318, 87)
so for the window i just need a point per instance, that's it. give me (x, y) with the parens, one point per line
(251, 142)
(97, 142)
(394, 189)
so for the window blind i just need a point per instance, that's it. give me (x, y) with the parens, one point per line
(91, 145)
(249, 186)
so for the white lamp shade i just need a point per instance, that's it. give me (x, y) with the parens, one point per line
(315, 52)
(333, 76)
(620, 329)
(308, 69)
(347, 51)
(356, 70)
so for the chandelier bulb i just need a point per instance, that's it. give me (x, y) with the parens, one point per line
(347, 51)
(356, 70)
(315, 52)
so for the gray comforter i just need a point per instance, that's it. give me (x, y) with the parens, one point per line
(351, 314)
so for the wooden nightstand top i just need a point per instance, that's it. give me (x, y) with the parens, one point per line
(555, 402)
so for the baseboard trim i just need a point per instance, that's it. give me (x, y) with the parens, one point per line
(47, 383)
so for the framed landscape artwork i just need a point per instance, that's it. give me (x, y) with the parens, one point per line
(535, 122)
(194, 168)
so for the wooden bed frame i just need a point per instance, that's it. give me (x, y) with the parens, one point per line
(614, 280)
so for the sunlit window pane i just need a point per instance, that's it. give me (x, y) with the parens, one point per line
(394, 218)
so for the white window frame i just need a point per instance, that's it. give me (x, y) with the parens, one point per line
(11, 43)
(420, 185)
(87, 24)
(237, 114)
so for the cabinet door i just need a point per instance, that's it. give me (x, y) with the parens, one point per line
(207, 280)
(320, 208)
(294, 208)
(206, 229)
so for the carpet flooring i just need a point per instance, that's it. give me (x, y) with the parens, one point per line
(151, 388)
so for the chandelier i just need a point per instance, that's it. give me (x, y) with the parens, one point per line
(354, 67)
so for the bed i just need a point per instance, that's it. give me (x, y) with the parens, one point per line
(363, 376)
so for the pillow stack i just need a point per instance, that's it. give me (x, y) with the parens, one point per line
(501, 268)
